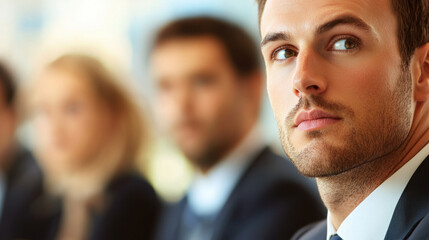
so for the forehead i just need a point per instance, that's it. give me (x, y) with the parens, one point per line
(305, 15)
(187, 54)
(60, 84)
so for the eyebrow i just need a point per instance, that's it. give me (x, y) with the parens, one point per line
(342, 20)
(276, 36)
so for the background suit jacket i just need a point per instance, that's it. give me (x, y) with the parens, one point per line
(130, 211)
(23, 186)
(270, 201)
(410, 219)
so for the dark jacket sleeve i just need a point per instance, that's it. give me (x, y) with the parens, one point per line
(131, 213)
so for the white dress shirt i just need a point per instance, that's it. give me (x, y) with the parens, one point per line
(209, 192)
(371, 218)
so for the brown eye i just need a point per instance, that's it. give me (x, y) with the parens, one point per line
(345, 44)
(284, 54)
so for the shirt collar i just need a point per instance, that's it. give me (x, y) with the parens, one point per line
(209, 192)
(371, 218)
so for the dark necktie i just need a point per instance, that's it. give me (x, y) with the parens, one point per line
(335, 237)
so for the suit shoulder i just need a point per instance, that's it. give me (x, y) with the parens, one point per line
(275, 166)
(272, 182)
(24, 171)
(271, 172)
(314, 231)
(421, 231)
(131, 209)
(133, 189)
(130, 182)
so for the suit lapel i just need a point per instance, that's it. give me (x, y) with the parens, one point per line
(227, 210)
(177, 218)
(412, 206)
(169, 223)
(315, 231)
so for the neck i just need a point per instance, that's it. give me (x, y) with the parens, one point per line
(342, 193)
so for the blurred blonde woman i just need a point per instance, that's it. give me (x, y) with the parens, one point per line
(88, 136)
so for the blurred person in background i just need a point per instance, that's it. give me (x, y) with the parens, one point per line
(20, 177)
(89, 133)
(209, 92)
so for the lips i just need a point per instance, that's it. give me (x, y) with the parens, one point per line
(314, 119)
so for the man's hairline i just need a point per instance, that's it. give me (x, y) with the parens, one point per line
(205, 36)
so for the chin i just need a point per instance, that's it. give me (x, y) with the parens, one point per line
(311, 166)
(191, 152)
(317, 158)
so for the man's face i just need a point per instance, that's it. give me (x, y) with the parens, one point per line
(200, 99)
(335, 82)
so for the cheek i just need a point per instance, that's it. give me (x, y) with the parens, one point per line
(280, 92)
(363, 87)
(366, 77)
(81, 132)
(46, 131)
(167, 113)
(218, 105)
(166, 109)
(88, 129)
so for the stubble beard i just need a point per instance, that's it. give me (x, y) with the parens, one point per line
(370, 141)
(211, 150)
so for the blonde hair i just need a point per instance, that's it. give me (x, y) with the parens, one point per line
(131, 131)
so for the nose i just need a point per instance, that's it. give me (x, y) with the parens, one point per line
(182, 101)
(308, 77)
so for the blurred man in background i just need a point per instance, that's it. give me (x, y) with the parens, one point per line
(209, 86)
(20, 177)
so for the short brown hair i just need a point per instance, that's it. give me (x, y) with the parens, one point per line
(413, 24)
(239, 46)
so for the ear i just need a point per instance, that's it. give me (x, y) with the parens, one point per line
(420, 69)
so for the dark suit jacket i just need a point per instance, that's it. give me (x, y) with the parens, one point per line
(23, 186)
(411, 216)
(271, 201)
(130, 212)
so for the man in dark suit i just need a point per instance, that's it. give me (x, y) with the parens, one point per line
(349, 85)
(21, 178)
(209, 87)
